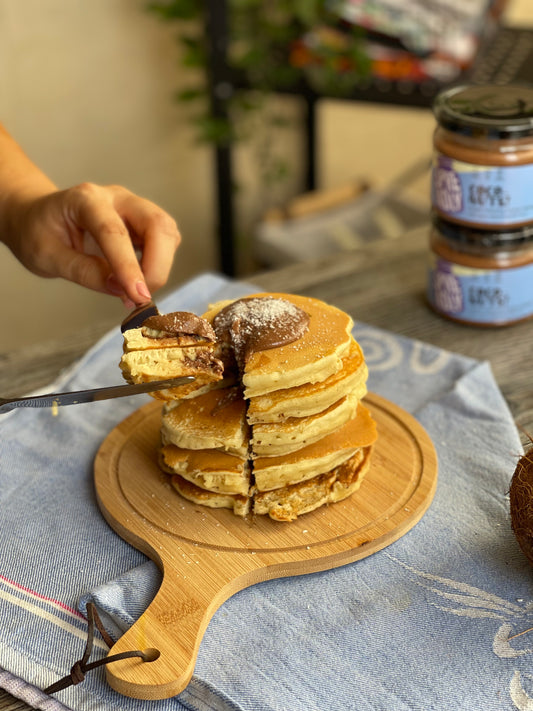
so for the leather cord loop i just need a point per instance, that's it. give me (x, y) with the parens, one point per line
(82, 666)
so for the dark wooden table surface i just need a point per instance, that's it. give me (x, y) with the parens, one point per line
(382, 284)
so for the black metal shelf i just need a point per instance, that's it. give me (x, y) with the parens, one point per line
(505, 57)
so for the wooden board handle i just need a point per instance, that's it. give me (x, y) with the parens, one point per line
(169, 631)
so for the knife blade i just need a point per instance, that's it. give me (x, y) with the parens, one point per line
(93, 395)
(137, 317)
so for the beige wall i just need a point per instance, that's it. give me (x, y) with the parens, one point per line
(86, 88)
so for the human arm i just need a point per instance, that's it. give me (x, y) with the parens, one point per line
(87, 234)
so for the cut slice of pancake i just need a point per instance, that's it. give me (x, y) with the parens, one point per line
(279, 438)
(214, 471)
(309, 399)
(213, 420)
(240, 505)
(159, 364)
(312, 358)
(318, 458)
(172, 345)
(289, 502)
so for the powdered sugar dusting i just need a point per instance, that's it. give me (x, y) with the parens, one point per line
(260, 323)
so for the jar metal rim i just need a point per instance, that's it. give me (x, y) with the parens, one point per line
(489, 238)
(473, 123)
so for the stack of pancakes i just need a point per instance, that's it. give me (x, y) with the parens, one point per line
(285, 431)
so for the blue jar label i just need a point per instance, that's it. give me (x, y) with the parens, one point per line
(482, 195)
(482, 296)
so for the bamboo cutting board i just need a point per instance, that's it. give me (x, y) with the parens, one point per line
(206, 555)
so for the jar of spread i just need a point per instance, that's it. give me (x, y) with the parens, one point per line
(482, 173)
(481, 277)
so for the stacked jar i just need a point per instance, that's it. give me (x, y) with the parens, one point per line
(481, 269)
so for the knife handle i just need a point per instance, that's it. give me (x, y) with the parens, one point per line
(6, 405)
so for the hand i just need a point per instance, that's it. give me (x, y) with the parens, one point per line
(90, 234)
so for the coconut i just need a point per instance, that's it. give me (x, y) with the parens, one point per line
(521, 504)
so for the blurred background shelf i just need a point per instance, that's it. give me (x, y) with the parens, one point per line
(504, 55)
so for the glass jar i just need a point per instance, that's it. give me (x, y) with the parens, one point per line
(482, 169)
(481, 277)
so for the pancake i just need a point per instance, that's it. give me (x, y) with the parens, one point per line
(318, 458)
(289, 502)
(309, 399)
(213, 420)
(312, 358)
(294, 433)
(214, 471)
(240, 505)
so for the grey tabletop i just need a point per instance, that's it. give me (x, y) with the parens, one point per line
(382, 284)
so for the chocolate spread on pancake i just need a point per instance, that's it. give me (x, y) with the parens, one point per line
(179, 323)
(259, 324)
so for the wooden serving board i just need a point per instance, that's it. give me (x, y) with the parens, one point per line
(206, 555)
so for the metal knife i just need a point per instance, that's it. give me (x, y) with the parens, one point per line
(73, 398)
(139, 315)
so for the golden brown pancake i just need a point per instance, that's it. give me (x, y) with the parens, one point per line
(289, 502)
(318, 458)
(208, 469)
(273, 439)
(140, 339)
(159, 364)
(309, 399)
(213, 420)
(240, 505)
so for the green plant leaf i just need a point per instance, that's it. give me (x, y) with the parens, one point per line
(212, 129)
(177, 9)
(264, 39)
(191, 94)
(308, 12)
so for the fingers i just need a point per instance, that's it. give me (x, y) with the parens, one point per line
(157, 234)
(92, 209)
(116, 218)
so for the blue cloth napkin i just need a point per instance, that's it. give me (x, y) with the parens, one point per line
(427, 623)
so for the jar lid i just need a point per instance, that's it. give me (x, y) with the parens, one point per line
(489, 110)
(484, 238)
